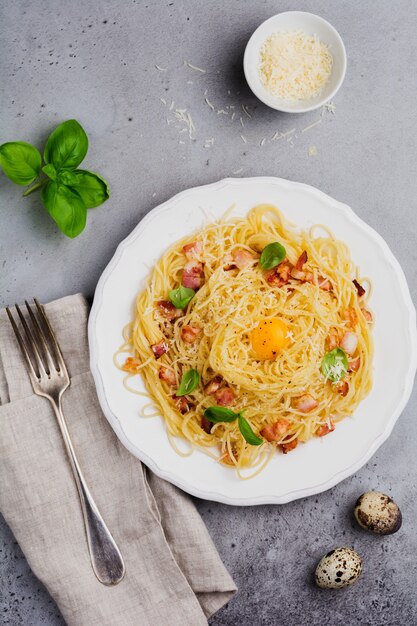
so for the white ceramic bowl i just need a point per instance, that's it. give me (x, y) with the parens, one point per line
(294, 21)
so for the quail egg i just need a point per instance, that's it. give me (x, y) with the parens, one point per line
(338, 568)
(378, 513)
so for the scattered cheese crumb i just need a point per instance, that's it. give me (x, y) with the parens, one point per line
(263, 142)
(245, 110)
(161, 69)
(243, 139)
(311, 126)
(312, 151)
(294, 65)
(207, 101)
(241, 122)
(163, 100)
(209, 143)
(329, 107)
(194, 67)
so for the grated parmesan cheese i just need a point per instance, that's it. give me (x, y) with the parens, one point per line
(294, 66)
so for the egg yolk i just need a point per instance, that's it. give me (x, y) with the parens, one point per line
(269, 338)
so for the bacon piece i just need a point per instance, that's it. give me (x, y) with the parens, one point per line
(206, 424)
(168, 310)
(242, 258)
(349, 342)
(160, 348)
(297, 274)
(275, 431)
(213, 385)
(367, 315)
(354, 365)
(192, 274)
(361, 291)
(193, 250)
(342, 388)
(166, 374)
(325, 429)
(287, 447)
(305, 403)
(324, 283)
(302, 259)
(280, 275)
(332, 340)
(131, 365)
(189, 333)
(181, 403)
(351, 316)
(225, 396)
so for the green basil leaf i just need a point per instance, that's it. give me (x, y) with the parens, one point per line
(92, 188)
(272, 255)
(66, 208)
(67, 145)
(181, 297)
(50, 171)
(189, 382)
(220, 414)
(334, 365)
(20, 161)
(248, 433)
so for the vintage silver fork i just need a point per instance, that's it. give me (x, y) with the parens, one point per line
(49, 377)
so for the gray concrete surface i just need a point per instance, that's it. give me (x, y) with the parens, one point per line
(95, 61)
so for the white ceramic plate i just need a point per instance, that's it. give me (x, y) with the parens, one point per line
(317, 465)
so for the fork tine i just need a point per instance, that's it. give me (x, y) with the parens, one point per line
(32, 344)
(51, 336)
(41, 339)
(22, 345)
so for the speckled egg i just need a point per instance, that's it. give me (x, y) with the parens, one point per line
(338, 568)
(378, 513)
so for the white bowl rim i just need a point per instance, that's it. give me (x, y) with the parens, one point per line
(252, 500)
(261, 94)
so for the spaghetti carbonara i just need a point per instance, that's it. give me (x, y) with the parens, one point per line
(253, 336)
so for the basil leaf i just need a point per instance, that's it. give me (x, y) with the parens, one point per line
(248, 433)
(272, 255)
(220, 414)
(20, 161)
(66, 146)
(189, 382)
(92, 188)
(181, 297)
(50, 171)
(334, 365)
(66, 208)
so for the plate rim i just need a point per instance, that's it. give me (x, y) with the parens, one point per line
(213, 495)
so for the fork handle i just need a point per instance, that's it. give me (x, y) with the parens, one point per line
(106, 559)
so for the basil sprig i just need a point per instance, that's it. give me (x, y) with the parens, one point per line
(334, 365)
(181, 297)
(189, 382)
(66, 192)
(272, 255)
(218, 414)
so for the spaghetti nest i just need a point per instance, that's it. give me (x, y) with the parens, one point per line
(319, 304)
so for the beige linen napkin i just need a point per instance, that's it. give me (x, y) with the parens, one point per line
(174, 575)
